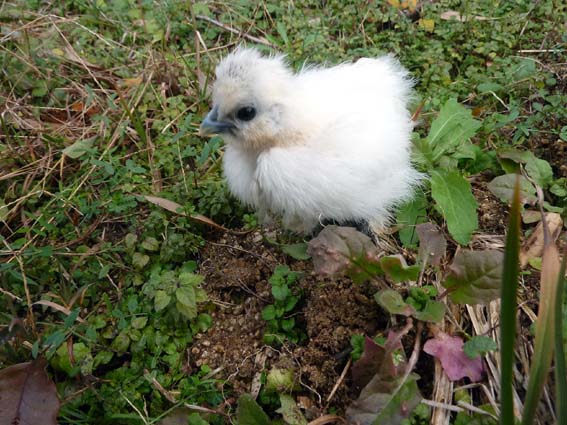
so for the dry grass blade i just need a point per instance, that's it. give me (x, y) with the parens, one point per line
(545, 332)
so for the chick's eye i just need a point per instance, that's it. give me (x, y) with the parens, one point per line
(246, 113)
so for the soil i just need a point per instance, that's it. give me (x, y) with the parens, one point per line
(236, 270)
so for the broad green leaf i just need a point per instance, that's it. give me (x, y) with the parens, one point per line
(503, 188)
(540, 171)
(139, 260)
(150, 244)
(161, 300)
(393, 302)
(297, 251)
(475, 277)
(249, 412)
(186, 295)
(139, 322)
(280, 292)
(290, 411)
(453, 126)
(479, 345)
(188, 310)
(79, 148)
(395, 268)
(190, 279)
(196, 419)
(408, 216)
(434, 311)
(453, 195)
(269, 312)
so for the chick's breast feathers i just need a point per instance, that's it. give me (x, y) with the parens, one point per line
(348, 158)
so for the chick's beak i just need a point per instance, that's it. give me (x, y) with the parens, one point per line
(211, 125)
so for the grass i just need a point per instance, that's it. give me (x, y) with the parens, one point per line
(100, 103)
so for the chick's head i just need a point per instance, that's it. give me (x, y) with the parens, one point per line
(249, 101)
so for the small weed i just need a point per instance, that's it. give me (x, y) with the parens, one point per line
(280, 323)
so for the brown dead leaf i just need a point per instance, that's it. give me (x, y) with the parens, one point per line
(534, 245)
(174, 207)
(453, 14)
(28, 395)
(132, 82)
(57, 307)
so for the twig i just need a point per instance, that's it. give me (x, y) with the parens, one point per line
(235, 31)
(340, 380)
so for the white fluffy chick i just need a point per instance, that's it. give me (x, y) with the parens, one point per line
(323, 144)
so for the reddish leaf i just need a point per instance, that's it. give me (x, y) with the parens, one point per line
(28, 395)
(432, 243)
(336, 249)
(456, 364)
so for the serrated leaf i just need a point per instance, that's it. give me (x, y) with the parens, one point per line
(393, 302)
(478, 346)
(161, 300)
(396, 269)
(79, 148)
(453, 126)
(475, 277)
(249, 412)
(453, 195)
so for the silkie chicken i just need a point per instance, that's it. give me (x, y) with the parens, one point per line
(319, 145)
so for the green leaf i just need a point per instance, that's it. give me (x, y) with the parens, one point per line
(139, 260)
(249, 412)
(434, 311)
(503, 188)
(393, 302)
(396, 269)
(454, 126)
(139, 322)
(478, 346)
(188, 310)
(186, 296)
(540, 171)
(280, 26)
(196, 419)
(280, 292)
(161, 300)
(290, 411)
(79, 148)
(190, 279)
(408, 216)
(297, 251)
(453, 195)
(475, 277)
(150, 244)
(269, 312)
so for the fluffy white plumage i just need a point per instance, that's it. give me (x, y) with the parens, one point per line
(323, 143)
